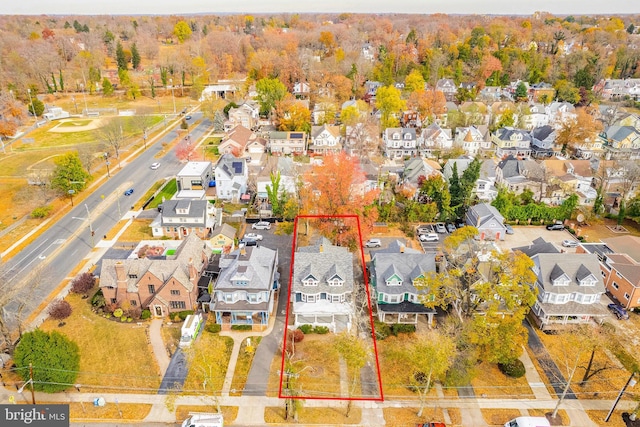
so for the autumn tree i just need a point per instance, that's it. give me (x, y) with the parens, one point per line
(428, 104)
(353, 351)
(12, 115)
(390, 104)
(414, 81)
(112, 135)
(293, 116)
(142, 122)
(182, 31)
(566, 91)
(430, 357)
(269, 92)
(579, 130)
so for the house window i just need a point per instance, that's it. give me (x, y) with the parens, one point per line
(134, 303)
(113, 300)
(253, 298)
(181, 305)
(175, 292)
(323, 295)
(152, 289)
(336, 298)
(626, 296)
(311, 298)
(615, 285)
(335, 282)
(133, 276)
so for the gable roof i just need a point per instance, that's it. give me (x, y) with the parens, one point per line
(225, 230)
(255, 263)
(483, 213)
(406, 266)
(325, 261)
(576, 266)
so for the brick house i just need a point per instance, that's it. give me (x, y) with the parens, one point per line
(163, 284)
(180, 218)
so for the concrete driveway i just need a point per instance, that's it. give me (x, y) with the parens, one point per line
(525, 235)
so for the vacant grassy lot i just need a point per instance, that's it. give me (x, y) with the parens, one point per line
(166, 193)
(322, 377)
(492, 383)
(194, 380)
(314, 415)
(140, 229)
(107, 349)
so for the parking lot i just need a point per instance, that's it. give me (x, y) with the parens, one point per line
(425, 229)
(525, 235)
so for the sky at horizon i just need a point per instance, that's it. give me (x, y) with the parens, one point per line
(164, 7)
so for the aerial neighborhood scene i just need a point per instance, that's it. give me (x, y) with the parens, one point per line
(249, 214)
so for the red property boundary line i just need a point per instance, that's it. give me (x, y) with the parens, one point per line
(286, 323)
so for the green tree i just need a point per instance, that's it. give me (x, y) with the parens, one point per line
(273, 193)
(35, 106)
(521, 92)
(182, 31)
(55, 360)
(455, 188)
(507, 119)
(390, 104)
(435, 189)
(269, 92)
(566, 91)
(121, 59)
(468, 182)
(69, 174)
(135, 57)
(107, 87)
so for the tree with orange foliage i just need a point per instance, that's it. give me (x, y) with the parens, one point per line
(337, 188)
(428, 103)
(186, 150)
(12, 114)
(574, 132)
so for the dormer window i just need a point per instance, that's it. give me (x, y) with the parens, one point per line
(133, 276)
(310, 281)
(241, 282)
(588, 281)
(563, 280)
(394, 281)
(407, 136)
(335, 281)
(396, 136)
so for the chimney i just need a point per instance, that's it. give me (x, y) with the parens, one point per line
(402, 248)
(121, 277)
(321, 248)
(193, 273)
(243, 251)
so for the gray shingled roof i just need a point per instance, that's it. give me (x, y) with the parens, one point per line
(407, 266)
(575, 266)
(195, 216)
(254, 263)
(323, 261)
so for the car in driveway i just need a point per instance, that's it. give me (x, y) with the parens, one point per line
(155, 165)
(569, 243)
(252, 236)
(508, 229)
(248, 242)
(555, 227)
(451, 227)
(373, 243)
(128, 192)
(618, 311)
(430, 237)
(440, 228)
(261, 225)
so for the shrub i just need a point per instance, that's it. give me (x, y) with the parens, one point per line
(241, 327)
(400, 328)
(513, 369)
(83, 283)
(382, 330)
(306, 329)
(98, 300)
(41, 212)
(213, 328)
(133, 312)
(581, 238)
(297, 335)
(123, 319)
(572, 231)
(60, 310)
(129, 319)
(118, 312)
(321, 330)
(146, 314)
(183, 314)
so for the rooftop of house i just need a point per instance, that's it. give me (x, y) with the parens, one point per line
(401, 268)
(194, 169)
(566, 273)
(247, 268)
(323, 262)
(629, 245)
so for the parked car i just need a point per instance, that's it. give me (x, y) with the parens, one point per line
(373, 243)
(261, 225)
(556, 226)
(618, 311)
(128, 192)
(508, 229)
(155, 165)
(450, 227)
(569, 243)
(431, 237)
(440, 228)
(187, 118)
(424, 229)
(460, 223)
(248, 242)
(252, 236)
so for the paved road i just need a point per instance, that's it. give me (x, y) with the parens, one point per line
(57, 251)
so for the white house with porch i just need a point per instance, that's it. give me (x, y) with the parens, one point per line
(322, 286)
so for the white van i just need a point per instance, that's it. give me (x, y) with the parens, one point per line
(190, 329)
(528, 422)
(204, 420)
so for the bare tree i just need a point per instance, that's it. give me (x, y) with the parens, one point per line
(142, 121)
(112, 135)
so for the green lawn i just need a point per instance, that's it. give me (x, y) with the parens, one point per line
(166, 192)
(74, 123)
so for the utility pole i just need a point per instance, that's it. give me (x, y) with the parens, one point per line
(90, 226)
(33, 396)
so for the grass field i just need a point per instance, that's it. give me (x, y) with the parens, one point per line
(315, 415)
(107, 348)
(243, 364)
(166, 193)
(194, 381)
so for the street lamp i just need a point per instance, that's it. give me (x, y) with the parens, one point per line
(71, 192)
(630, 382)
(33, 109)
(107, 162)
(173, 97)
(144, 138)
(88, 218)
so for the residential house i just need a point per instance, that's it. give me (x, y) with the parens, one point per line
(543, 142)
(415, 168)
(231, 178)
(410, 119)
(536, 118)
(179, 218)
(324, 112)
(560, 112)
(322, 286)
(224, 89)
(621, 143)
(400, 142)
(434, 138)
(617, 88)
(542, 92)
(620, 267)
(368, 52)
(394, 279)
(511, 142)
(485, 188)
(223, 239)
(629, 119)
(162, 283)
(287, 142)
(490, 94)
(362, 139)
(448, 88)
(246, 115)
(370, 90)
(488, 221)
(569, 289)
(236, 141)
(372, 179)
(193, 180)
(474, 140)
(301, 90)
(573, 177)
(517, 175)
(244, 291)
(325, 139)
